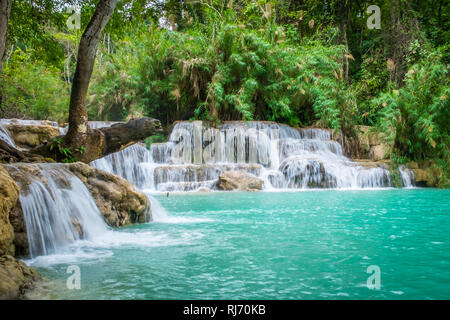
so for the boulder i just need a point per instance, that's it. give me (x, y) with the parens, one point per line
(375, 138)
(413, 165)
(16, 278)
(30, 136)
(424, 177)
(362, 133)
(116, 198)
(9, 195)
(239, 180)
(380, 152)
(370, 144)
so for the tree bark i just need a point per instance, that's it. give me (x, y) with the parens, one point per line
(5, 11)
(79, 131)
(9, 154)
(104, 141)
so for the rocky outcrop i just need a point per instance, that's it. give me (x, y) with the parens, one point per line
(30, 136)
(423, 177)
(369, 164)
(10, 154)
(238, 180)
(365, 144)
(20, 231)
(371, 144)
(9, 195)
(429, 173)
(16, 278)
(116, 198)
(190, 177)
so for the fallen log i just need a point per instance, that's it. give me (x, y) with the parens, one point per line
(100, 142)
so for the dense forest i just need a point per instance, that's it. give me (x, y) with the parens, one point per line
(323, 63)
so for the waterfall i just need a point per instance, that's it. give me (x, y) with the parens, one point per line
(4, 136)
(22, 122)
(284, 157)
(102, 124)
(128, 164)
(407, 177)
(57, 208)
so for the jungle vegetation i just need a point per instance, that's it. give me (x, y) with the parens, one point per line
(300, 62)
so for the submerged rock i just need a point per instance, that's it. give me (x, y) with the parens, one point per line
(235, 180)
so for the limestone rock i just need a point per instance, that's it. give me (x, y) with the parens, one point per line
(237, 180)
(362, 133)
(16, 278)
(9, 195)
(370, 145)
(116, 198)
(369, 164)
(29, 136)
(424, 177)
(379, 152)
(413, 165)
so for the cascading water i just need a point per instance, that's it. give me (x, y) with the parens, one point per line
(4, 136)
(284, 157)
(33, 123)
(102, 124)
(407, 177)
(57, 207)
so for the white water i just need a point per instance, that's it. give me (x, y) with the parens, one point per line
(56, 206)
(53, 204)
(284, 157)
(5, 136)
(102, 124)
(160, 215)
(407, 177)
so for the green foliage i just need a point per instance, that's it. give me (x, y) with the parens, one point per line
(157, 138)
(33, 89)
(298, 62)
(231, 73)
(416, 117)
(65, 153)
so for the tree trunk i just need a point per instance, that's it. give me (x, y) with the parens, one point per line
(9, 154)
(79, 131)
(5, 11)
(81, 142)
(104, 141)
